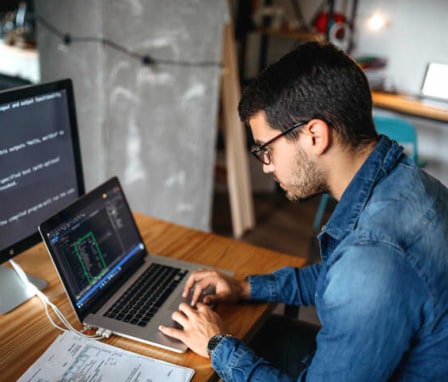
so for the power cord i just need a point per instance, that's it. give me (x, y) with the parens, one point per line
(48, 304)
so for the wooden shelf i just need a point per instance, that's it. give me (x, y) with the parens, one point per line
(296, 35)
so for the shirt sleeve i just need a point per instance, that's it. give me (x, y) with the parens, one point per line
(234, 361)
(368, 322)
(371, 307)
(292, 286)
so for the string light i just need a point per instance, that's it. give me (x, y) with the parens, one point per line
(145, 59)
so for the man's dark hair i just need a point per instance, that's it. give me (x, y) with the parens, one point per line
(315, 80)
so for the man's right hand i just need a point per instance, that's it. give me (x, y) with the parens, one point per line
(226, 288)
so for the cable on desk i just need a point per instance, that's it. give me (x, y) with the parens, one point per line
(48, 304)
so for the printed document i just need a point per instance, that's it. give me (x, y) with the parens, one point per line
(73, 358)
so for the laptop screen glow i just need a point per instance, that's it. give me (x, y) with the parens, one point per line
(435, 83)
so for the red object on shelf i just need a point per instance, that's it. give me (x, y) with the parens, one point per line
(321, 21)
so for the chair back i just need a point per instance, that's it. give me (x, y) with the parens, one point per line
(399, 130)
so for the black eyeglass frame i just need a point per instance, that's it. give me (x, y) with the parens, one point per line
(256, 150)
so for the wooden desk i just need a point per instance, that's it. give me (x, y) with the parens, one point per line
(26, 332)
(406, 105)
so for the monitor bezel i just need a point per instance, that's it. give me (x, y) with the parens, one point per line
(13, 94)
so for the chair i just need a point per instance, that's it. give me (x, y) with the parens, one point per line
(402, 131)
(396, 128)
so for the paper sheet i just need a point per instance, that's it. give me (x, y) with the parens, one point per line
(72, 358)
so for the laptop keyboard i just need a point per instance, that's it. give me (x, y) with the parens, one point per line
(143, 299)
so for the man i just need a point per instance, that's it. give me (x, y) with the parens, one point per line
(381, 290)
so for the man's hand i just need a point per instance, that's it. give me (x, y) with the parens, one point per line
(199, 325)
(226, 288)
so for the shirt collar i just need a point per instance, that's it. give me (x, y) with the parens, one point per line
(379, 163)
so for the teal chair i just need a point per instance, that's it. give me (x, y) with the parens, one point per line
(402, 131)
(396, 128)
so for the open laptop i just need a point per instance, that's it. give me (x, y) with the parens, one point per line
(434, 89)
(99, 254)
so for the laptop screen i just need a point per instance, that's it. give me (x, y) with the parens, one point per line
(435, 83)
(92, 242)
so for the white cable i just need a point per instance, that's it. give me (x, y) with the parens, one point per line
(47, 303)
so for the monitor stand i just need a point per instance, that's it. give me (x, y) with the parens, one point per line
(13, 291)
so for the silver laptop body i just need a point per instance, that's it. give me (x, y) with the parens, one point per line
(98, 253)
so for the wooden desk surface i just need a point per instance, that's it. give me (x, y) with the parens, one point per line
(405, 104)
(25, 332)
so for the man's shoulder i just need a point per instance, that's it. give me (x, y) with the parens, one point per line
(372, 279)
(402, 207)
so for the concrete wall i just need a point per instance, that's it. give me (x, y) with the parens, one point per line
(154, 127)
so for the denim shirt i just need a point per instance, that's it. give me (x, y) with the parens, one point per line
(381, 290)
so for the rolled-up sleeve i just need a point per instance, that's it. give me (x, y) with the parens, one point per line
(293, 286)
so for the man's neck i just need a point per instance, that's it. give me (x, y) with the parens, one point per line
(343, 166)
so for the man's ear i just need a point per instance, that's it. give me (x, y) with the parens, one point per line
(319, 135)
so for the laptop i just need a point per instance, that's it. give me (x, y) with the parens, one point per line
(104, 267)
(434, 89)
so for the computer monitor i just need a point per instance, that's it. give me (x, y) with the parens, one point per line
(40, 172)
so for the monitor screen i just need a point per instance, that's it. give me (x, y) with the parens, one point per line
(40, 161)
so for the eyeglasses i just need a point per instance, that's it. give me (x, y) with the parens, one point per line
(263, 153)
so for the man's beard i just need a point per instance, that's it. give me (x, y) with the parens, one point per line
(307, 180)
